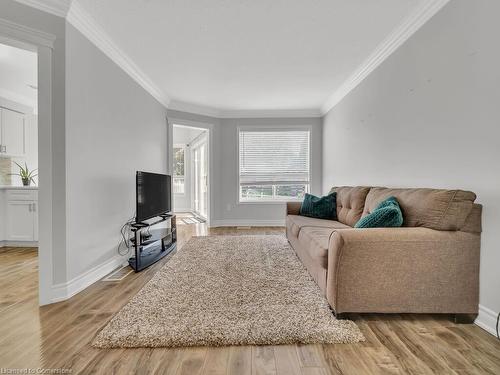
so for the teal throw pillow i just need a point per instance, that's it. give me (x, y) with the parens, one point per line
(320, 207)
(386, 214)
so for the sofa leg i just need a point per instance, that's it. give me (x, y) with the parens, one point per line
(464, 318)
(341, 316)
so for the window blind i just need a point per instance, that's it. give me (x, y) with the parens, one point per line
(277, 157)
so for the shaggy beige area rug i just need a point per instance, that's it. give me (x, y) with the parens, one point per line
(228, 290)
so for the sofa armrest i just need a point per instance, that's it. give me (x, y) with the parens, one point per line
(398, 270)
(293, 208)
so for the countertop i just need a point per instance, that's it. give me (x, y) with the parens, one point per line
(7, 187)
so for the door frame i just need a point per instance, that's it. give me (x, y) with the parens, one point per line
(42, 43)
(171, 121)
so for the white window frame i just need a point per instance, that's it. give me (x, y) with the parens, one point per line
(184, 148)
(271, 128)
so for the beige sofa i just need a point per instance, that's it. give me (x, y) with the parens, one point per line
(430, 265)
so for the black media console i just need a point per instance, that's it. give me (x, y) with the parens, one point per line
(153, 241)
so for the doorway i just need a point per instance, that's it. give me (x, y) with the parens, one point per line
(42, 43)
(191, 173)
(18, 171)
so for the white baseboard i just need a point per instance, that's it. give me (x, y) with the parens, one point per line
(18, 244)
(247, 223)
(64, 291)
(487, 320)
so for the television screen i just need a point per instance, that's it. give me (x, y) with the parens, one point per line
(153, 195)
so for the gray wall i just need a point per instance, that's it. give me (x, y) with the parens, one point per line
(33, 18)
(225, 208)
(429, 117)
(113, 128)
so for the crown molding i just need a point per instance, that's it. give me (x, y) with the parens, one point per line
(22, 34)
(177, 105)
(85, 23)
(58, 8)
(271, 113)
(397, 37)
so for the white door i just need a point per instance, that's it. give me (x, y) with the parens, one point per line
(200, 178)
(13, 132)
(20, 223)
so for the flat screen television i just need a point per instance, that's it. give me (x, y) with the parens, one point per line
(153, 195)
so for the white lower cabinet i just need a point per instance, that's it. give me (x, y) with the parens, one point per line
(21, 219)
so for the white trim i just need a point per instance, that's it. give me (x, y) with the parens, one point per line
(58, 8)
(18, 98)
(18, 243)
(36, 40)
(177, 105)
(270, 113)
(64, 291)
(487, 320)
(85, 23)
(401, 34)
(12, 31)
(182, 211)
(247, 223)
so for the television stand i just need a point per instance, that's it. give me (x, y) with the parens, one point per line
(153, 241)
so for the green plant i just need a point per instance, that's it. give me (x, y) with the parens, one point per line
(25, 174)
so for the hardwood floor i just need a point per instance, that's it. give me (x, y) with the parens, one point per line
(58, 336)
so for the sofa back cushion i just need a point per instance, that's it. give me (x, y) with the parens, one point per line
(350, 203)
(430, 208)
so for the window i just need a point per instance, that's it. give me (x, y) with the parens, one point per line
(273, 165)
(179, 168)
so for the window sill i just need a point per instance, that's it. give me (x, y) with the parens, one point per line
(269, 201)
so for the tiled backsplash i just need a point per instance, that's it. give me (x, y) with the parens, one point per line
(5, 169)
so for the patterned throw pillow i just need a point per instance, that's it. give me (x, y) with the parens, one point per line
(320, 207)
(386, 214)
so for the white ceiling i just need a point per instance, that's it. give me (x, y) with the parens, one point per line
(18, 70)
(246, 58)
(241, 55)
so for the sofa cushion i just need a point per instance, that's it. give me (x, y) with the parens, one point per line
(430, 208)
(386, 215)
(320, 207)
(350, 203)
(315, 240)
(295, 223)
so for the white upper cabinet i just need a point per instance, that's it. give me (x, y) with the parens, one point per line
(12, 133)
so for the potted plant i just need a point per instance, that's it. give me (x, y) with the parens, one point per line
(26, 175)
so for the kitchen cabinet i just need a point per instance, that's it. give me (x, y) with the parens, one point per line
(21, 218)
(12, 133)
